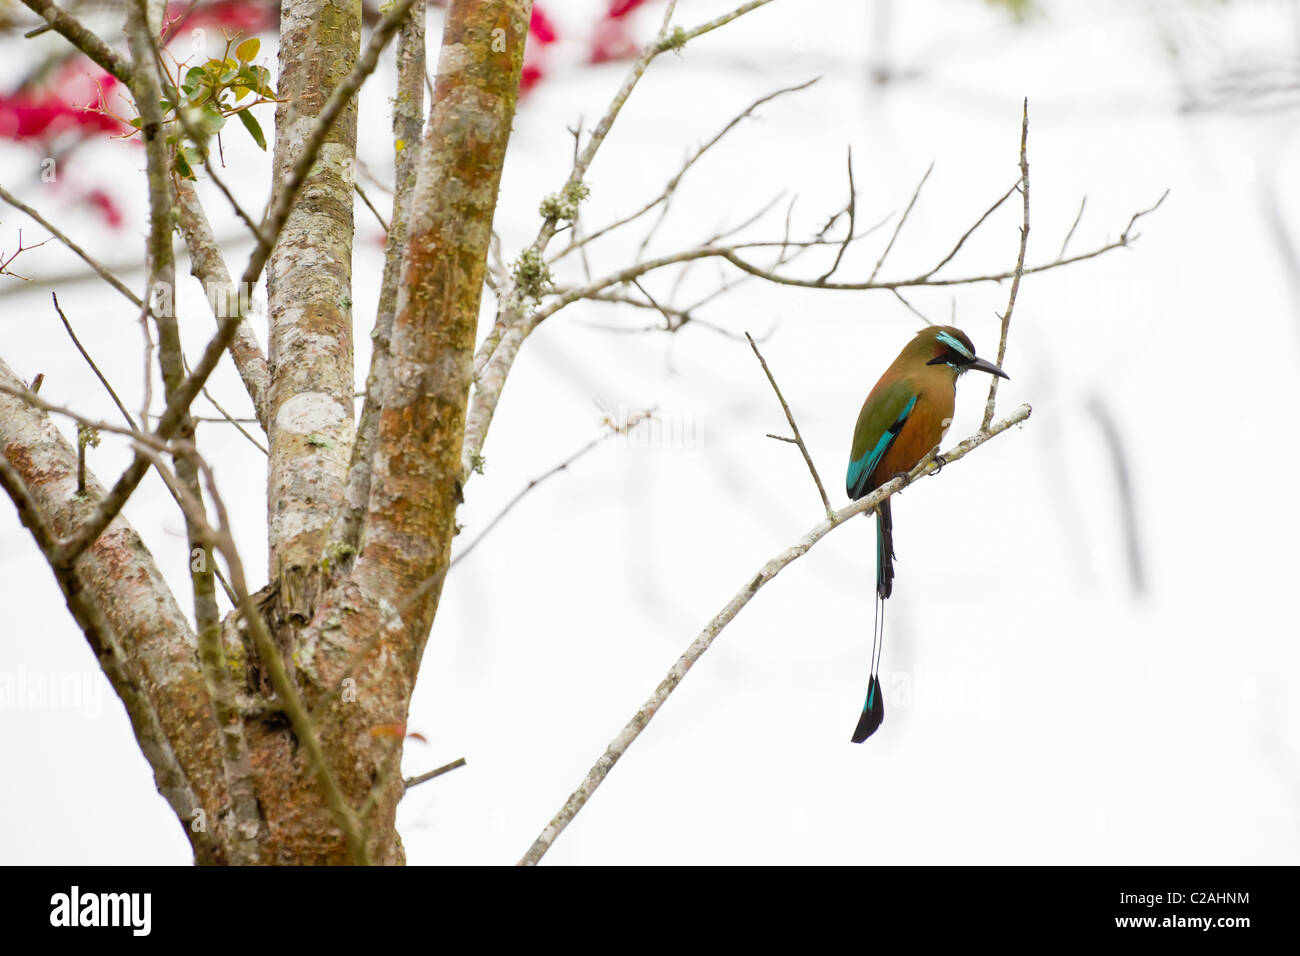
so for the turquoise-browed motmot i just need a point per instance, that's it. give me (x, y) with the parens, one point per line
(906, 415)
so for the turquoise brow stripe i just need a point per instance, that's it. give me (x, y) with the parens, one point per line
(954, 343)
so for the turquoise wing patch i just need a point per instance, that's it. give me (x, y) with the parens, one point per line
(860, 469)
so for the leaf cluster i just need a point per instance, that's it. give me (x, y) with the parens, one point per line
(202, 98)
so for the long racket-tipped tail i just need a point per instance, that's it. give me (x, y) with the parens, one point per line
(884, 550)
(873, 712)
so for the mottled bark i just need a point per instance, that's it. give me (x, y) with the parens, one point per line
(309, 291)
(408, 125)
(373, 625)
(143, 643)
(342, 644)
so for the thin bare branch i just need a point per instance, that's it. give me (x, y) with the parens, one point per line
(410, 782)
(244, 217)
(208, 265)
(371, 206)
(789, 416)
(1073, 226)
(100, 269)
(1020, 265)
(902, 221)
(620, 744)
(91, 362)
(76, 33)
(7, 261)
(622, 428)
(911, 308)
(851, 209)
(512, 311)
(967, 234)
(671, 186)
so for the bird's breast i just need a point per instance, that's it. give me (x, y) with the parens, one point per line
(924, 428)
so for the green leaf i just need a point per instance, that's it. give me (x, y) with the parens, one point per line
(213, 120)
(183, 167)
(248, 49)
(254, 130)
(137, 122)
(194, 78)
(262, 81)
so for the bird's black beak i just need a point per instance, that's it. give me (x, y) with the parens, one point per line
(982, 366)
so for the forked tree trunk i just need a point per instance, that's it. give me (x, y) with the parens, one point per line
(350, 623)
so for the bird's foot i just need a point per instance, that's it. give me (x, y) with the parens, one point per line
(939, 462)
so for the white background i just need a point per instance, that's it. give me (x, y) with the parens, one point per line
(1040, 708)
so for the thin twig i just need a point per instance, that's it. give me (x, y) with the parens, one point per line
(789, 416)
(620, 429)
(82, 38)
(225, 191)
(100, 269)
(672, 325)
(7, 261)
(410, 782)
(967, 234)
(515, 319)
(1020, 265)
(91, 362)
(1073, 226)
(852, 212)
(371, 206)
(231, 420)
(618, 747)
(902, 220)
(911, 308)
(666, 194)
(208, 265)
(143, 438)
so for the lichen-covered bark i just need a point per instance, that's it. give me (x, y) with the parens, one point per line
(132, 622)
(309, 285)
(408, 126)
(350, 637)
(373, 625)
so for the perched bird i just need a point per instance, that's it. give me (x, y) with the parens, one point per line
(906, 415)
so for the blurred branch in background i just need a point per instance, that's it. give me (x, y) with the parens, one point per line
(1128, 510)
